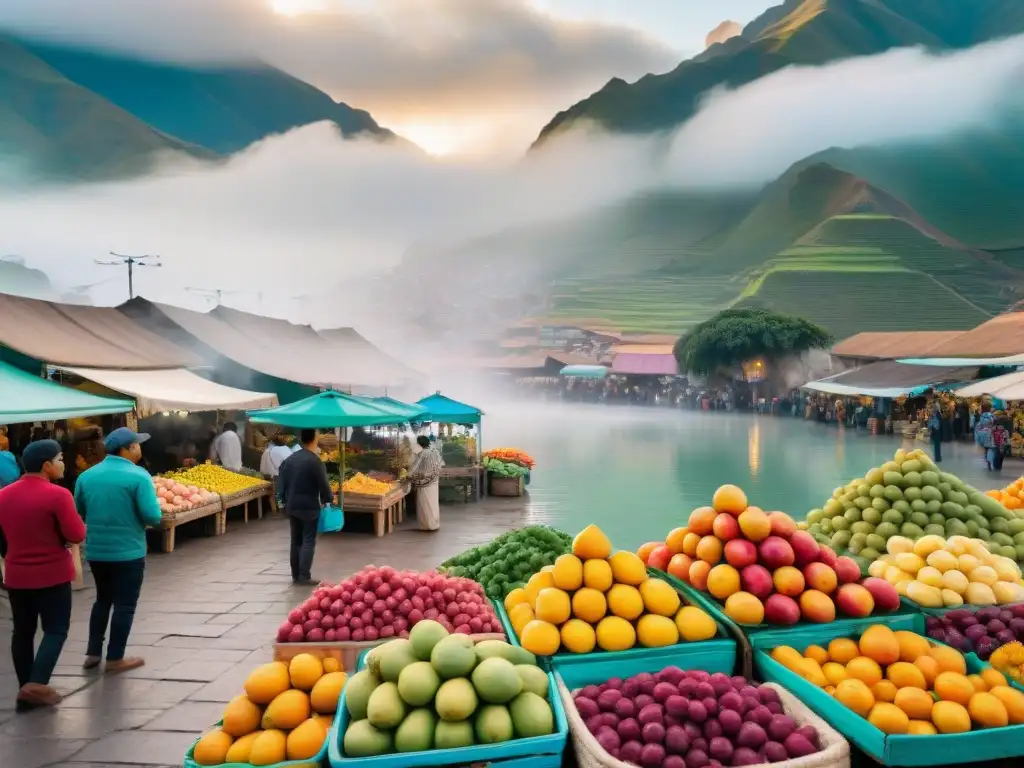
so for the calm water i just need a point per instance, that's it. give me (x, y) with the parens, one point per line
(637, 472)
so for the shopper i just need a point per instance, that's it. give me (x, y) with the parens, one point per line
(304, 490)
(118, 502)
(9, 469)
(226, 448)
(37, 522)
(274, 456)
(425, 476)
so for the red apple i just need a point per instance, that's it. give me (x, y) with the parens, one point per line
(847, 570)
(805, 548)
(660, 558)
(775, 552)
(740, 553)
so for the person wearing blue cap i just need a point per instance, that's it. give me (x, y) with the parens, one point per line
(37, 521)
(118, 502)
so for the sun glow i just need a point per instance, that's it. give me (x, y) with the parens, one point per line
(295, 7)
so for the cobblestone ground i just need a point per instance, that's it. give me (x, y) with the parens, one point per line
(207, 617)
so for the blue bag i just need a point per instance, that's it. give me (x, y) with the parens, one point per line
(332, 520)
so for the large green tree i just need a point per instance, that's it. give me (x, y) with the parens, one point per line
(735, 336)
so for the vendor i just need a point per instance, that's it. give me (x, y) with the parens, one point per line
(425, 476)
(226, 448)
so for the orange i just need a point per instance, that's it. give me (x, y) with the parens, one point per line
(855, 695)
(553, 606)
(709, 549)
(788, 657)
(645, 549)
(879, 643)
(701, 521)
(915, 702)
(929, 668)
(589, 604)
(723, 580)
(843, 650)
(884, 690)
(864, 669)
(993, 677)
(905, 675)
(674, 540)
(950, 717)
(987, 711)
(921, 728)
(809, 670)
(690, 543)
(978, 682)
(952, 686)
(912, 645)
(834, 672)
(817, 653)
(699, 575)
(729, 499)
(888, 718)
(541, 638)
(1013, 700)
(950, 659)
(679, 566)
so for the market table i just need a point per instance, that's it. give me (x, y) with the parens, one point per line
(241, 499)
(473, 473)
(169, 522)
(387, 509)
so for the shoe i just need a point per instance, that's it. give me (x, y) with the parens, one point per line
(37, 695)
(91, 662)
(123, 665)
(305, 582)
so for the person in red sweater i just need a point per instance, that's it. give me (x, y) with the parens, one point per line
(38, 520)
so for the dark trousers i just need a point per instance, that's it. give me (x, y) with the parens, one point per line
(937, 445)
(118, 585)
(303, 546)
(50, 606)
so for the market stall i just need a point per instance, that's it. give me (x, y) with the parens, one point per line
(462, 454)
(338, 411)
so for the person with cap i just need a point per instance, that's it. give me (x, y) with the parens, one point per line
(38, 521)
(118, 502)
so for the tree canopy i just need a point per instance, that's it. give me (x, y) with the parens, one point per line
(738, 335)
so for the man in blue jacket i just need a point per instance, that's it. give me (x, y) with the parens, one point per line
(117, 499)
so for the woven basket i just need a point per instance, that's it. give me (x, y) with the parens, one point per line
(506, 486)
(835, 750)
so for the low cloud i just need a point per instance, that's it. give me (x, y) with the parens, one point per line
(408, 62)
(304, 212)
(724, 31)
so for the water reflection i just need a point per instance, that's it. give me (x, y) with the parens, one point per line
(638, 472)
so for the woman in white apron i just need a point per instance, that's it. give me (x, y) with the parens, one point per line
(424, 474)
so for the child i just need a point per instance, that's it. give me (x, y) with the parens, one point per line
(1000, 439)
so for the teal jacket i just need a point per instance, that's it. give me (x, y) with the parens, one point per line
(117, 500)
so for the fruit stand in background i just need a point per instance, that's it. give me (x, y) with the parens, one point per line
(234, 489)
(757, 569)
(385, 501)
(980, 630)
(508, 470)
(181, 503)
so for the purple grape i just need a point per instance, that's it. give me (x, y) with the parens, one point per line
(731, 700)
(720, 749)
(687, 687)
(751, 735)
(931, 622)
(731, 721)
(677, 706)
(587, 707)
(738, 681)
(652, 756)
(746, 756)
(590, 692)
(986, 614)
(720, 683)
(810, 733)
(608, 739)
(697, 712)
(663, 690)
(610, 719)
(775, 752)
(995, 626)
(614, 683)
(653, 733)
(607, 700)
(1017, 625)
(625, 708)
(595, 724)
(761, 715)
(775, 707)
(650, 714)
(677, 740)
(797, 745)
(975, 632)
(628, 730)
(712, 730)
(674, 761)
(671, 675)
(1005, 636)
(630, 688)
(630, 752)
(767, 695)
(642, 701)
(704, 691)
(710, 705)
(693, 731)
(780, 727)
(697, 758)
(938, 634)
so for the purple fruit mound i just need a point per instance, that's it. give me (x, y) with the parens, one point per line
(981, 631)
(677, 719)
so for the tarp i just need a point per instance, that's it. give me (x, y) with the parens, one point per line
(27, 398)
(1001, 336)
(1009, 387)
(585, 371)
(892, 344)
(645, 364)
(99, 337)
(890, 379)
(176, 389)
(447, 411)
(327, 410)
(371, 362)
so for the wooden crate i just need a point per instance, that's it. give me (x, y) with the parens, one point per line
(387, 510)
(169, 522)
(242, 499)
(505, 486)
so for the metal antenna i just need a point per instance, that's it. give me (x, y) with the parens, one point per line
(121, 260)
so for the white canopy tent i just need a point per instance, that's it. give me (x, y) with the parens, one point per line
(174, 389)
(1009, 387)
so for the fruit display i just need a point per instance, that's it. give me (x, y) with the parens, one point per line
(910, 497)
(380, 603)
(982, 630)
(214, 478)
(762, 569)
(504, 468)
(360, 483)
(903, 684)
(594, 598)
(175, 497)
(511, 456)
(436, 690)
(935, 572)
(1012, 496)
(677, 719)
(509, 560)
(1009, 659)
(285, 714)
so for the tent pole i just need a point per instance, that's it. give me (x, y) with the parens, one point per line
(341, 466)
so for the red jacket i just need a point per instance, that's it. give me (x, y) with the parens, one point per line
(37, 520)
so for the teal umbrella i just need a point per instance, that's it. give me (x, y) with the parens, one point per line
(585, 371)
(329, 410)
(410, 411)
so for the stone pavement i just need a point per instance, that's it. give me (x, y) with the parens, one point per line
(208, 615)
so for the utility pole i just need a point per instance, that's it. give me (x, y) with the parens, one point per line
(216, 294)
(121, 260)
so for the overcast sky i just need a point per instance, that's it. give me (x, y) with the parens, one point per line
(473, 76)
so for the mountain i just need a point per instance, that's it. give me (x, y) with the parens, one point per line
(224, 109)
(798, 32)
(53, 127)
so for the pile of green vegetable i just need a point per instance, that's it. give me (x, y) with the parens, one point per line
(508, 561)
(504, 468)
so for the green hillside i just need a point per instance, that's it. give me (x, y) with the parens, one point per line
(222, 108)
(52, 127)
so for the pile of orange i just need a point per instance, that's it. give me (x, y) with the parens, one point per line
(1012, 496)
(903, 684)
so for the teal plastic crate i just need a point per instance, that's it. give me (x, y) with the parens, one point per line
(900, 750)
(313, 762)
(719, 647)
(535, 752)
(584, 669)
(717, 610)
(801, 635)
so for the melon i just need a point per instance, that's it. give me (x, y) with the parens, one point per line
(456, 699)
(393, 657)
(357, 693)
(385, 708)
(451, 735)
(493, 724)
(362, 739)
(416, 733)
(418, 683)
(424, 635)
(496, 680)
(534, 679)
(531, 715)
(453, 656)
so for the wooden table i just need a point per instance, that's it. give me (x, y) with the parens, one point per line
(473, 473)
(387, 510)
(169, 522)
(242, 499)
